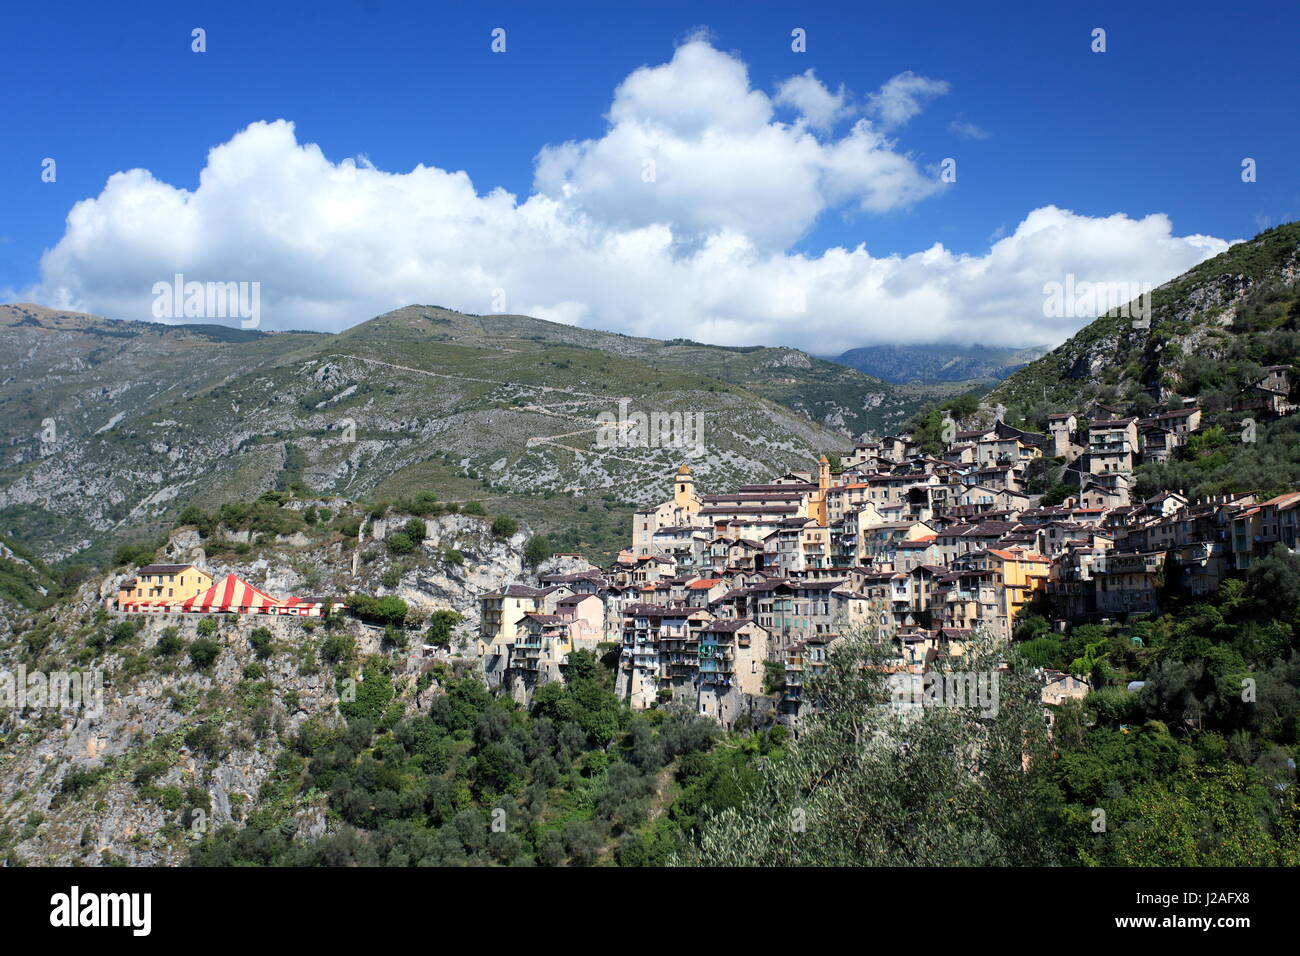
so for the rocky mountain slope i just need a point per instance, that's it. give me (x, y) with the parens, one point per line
(1210, 329)
(183, 743)
(110, 428)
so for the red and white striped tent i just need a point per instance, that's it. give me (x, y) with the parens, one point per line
(150, 605)
(303, 607)
(231, 594)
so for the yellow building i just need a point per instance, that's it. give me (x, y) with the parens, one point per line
(1021, 573)
(817, 506)
(682, 511)
(500, 613)
(164, 582)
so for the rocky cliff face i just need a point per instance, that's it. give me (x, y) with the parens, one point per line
(177, 747)
(1227, 309)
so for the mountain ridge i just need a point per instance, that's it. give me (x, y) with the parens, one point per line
(939, 362)
(111, 428)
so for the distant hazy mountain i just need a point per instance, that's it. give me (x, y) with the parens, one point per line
(942, 362)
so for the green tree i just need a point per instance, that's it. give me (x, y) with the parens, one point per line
(169, 643)
(864, 785)
(537, 550)
(441, 624)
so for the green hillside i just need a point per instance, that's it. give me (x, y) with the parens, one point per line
(1210, 328)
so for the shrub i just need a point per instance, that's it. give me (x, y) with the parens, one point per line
(386, 610)
(205, 739)
(337, 648)
(504, 526)
(261, 642)
(137, 552)
(473, 508)
(400, 543)
(416, 530)
(203, 652)
(169, 644)
(208, 626)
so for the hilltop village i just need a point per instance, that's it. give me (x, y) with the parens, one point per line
(726, 602)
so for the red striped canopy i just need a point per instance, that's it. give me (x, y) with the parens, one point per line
(232, 593)
(305, 608)
(143, 605)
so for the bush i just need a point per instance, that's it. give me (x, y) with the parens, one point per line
(203, 652)
(337, 648)
(473, 508)
(386, 610)
(137, 552)
(208, 626)
(504, 526)
(400, 543)
(424, 503)
(455, 558)
(205, 739)
(416, 530)
(169, 644)
(261, 642)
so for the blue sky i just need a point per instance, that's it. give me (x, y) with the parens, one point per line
(1157, 125)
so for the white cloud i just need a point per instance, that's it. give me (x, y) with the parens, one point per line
(818, 106)
(968, 130)
(701, 252)
(692, 145)
(903, 96)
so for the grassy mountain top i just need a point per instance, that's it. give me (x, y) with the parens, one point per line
(827, 392)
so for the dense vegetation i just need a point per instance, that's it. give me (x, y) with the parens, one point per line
(25, 580)
(576, 779)
(1196, 765)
